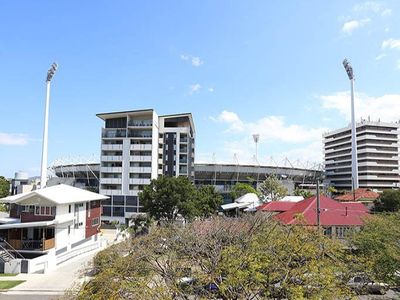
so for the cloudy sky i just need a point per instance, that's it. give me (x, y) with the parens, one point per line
(241, 67)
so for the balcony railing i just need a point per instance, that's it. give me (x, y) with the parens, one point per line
(147, 123)
(40, 245)
(114, 133)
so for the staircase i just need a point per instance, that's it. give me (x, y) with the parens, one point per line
(7, 252)
(5, 255)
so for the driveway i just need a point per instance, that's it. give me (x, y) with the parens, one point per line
(53, 283)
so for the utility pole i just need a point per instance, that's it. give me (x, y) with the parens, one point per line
(43, 173)
(354, 162)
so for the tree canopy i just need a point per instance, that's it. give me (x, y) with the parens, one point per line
(4, 187)
(389, 201)
(273, 188)
(221, 258)
(168, 197)
(240, 189)
(378, 245)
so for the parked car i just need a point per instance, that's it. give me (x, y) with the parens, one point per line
(361, 284)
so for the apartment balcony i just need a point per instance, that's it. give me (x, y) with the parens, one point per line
(110, 192)
(109, 147)
(110, 180)
(107, 133)
(140, 170)
(140, 181)
(111, 169)
(140, 123)
(111, 158)
(146, 147)
(32, 245)
(140, 134)
(146, 158)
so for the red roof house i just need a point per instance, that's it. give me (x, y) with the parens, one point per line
(276, 206)
(361, 194)
(332, 213)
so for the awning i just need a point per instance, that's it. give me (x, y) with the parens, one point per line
(27, 224)
(234, 205)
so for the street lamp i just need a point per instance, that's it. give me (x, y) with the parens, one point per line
(43, 173)
(354, 163)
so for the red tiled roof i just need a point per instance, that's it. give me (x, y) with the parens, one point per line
(277, 206)
(332, 213)
(359, 195)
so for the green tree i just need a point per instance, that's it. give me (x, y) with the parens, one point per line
(389, 201)
(4, 187)
(251, 257)
(167, 197)
(378, 244)
(240, 189)
(304, 193)
(208, 200)
(272, 188)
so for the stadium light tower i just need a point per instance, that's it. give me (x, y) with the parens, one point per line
(256, 138)
(354, 162)
(43, 173)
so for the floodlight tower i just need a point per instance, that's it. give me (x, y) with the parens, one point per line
(354, 162)
(256, 138)
(43, 173)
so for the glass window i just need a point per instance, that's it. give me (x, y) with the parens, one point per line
(107, 211)
(53, 210)
(130, 209)
(106, 202)
(95, 221)
(118, 211)
(47, 210)
(118, 200)
(42, 210)
(131, 200)
(37, 210)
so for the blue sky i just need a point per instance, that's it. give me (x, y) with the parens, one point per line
(241, 67)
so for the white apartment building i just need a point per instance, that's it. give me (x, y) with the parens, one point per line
(136, 147)
(377, 155)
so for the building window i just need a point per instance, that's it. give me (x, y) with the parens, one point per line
(95, 222)
(118, 211)
(45, 210)
(69, 208)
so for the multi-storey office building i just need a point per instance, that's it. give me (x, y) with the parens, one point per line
(137, 146)
(377, 155)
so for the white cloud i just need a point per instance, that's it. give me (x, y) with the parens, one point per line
(386, 108)
(269, 128)
(391, 44)
(194, 60)
(194, 88)
(398, 64)
(380, 56)
(352, 25)
(372, 6)
(210, 89)
(13, 139)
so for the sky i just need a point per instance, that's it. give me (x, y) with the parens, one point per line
(272, 68)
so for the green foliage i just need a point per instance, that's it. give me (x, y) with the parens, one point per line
(167, 197)
(272, 188)
(304, 193)
(244, 258)
(240, 189)
(378, 245)
(389, 201)
(208, 201)
(4, 187)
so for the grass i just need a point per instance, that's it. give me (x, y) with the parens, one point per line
(8, 284)
(7, 274)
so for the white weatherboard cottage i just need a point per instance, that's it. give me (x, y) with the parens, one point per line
(48, 226)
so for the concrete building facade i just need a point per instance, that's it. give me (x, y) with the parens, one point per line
(136, 147)
(377, 156)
